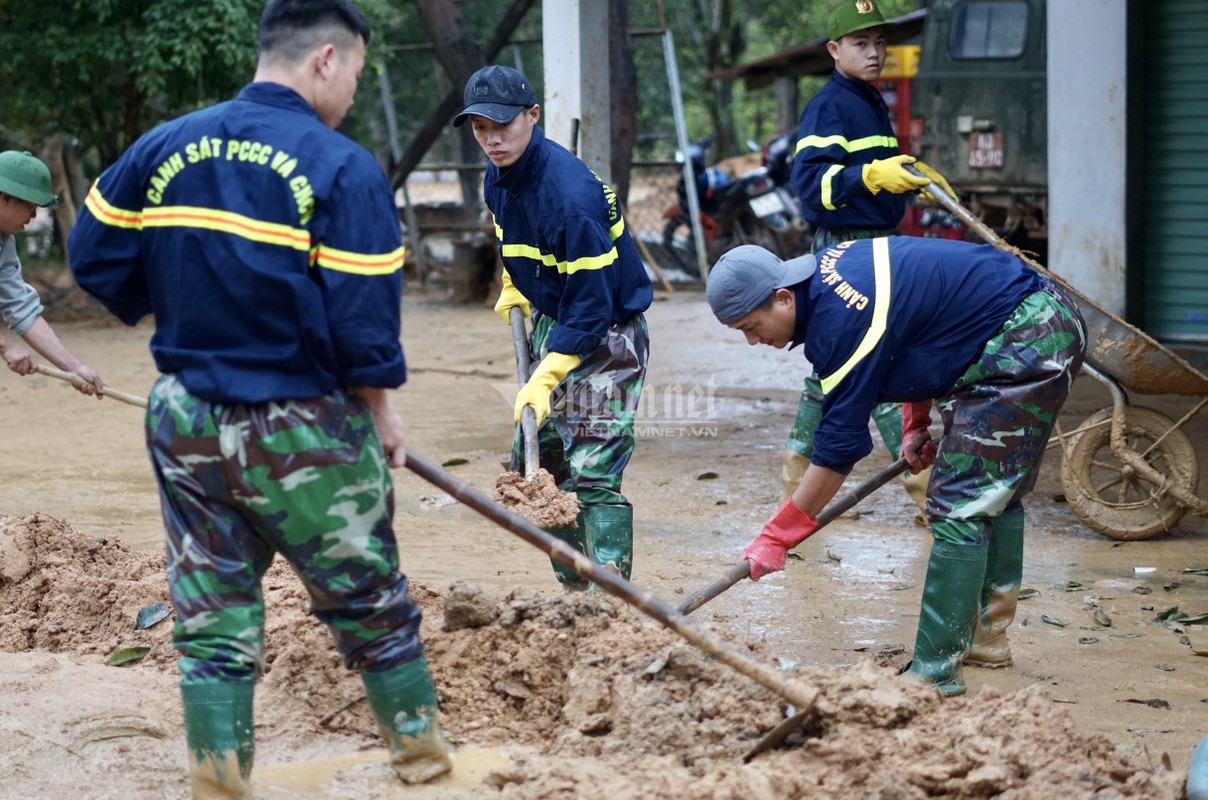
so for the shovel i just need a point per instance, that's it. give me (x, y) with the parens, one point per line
(743, 568)
(742, 662)
(528, 417)
(765, 675)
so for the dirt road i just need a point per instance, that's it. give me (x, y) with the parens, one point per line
(703, 479)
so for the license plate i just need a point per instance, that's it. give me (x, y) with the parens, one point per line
(766, 205)
(985, 150)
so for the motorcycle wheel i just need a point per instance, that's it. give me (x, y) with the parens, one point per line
(749, 230)
(680, 244)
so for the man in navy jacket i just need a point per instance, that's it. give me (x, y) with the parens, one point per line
(569, 258)
(268, 248)
(905, 320)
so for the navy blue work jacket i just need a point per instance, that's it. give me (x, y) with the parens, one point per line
(267, 246)
(565, 245)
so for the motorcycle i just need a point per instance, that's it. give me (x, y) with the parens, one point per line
(749, 209)
(777, 158)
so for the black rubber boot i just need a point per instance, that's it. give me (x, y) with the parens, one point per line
(949, 610)
(403, 702)
(575, 536)
(609, 532)
(1000, 593)
(218, 729)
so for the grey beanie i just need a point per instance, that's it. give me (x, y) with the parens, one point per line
(747, 275)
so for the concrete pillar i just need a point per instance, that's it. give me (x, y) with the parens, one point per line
(788, 102)
(1087, 146)
(575, 49)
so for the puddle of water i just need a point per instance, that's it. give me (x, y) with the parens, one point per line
(367, 774)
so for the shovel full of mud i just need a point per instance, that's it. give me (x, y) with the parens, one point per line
(534, 495)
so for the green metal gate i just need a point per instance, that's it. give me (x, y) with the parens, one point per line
(1174, 178)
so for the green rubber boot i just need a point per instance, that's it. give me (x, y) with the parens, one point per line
(575, 536)
(609, 532)
(1000, 594)
(403, 702)
(218, 729)
(888, 419)
(950, 596)
(792, 467)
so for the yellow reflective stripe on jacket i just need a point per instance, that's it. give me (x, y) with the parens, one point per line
(109, 215)
(247, 228)
(227, 222)
(880, 314)
(197, 217)
(358, 263)
(850, 146)
(827, 187)
(567, 267)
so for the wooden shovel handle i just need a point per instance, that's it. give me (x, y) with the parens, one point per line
(528, 417)
(76, 380)
(739, 659)
(743, 568)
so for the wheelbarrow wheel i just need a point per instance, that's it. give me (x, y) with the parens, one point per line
(1108, 495)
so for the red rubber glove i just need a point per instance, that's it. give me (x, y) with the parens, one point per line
(917, 447)
(788, 528)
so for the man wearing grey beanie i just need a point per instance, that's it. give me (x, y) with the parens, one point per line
(897, 319)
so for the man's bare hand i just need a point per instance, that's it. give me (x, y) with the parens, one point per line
(18, 359)
(95, 385)
(391, 429)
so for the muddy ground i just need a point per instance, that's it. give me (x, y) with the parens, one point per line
(557, 697)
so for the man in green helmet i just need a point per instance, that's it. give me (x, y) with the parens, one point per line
(850, 177)
(24, 188)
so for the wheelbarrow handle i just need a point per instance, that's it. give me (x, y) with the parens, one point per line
(977, 226)
(743, 568)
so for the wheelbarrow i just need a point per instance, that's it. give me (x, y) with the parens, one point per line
(1128, 471)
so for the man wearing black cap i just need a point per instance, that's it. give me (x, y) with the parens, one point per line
(905, 320)
(570, 260)
(850, 177)
(24, 188)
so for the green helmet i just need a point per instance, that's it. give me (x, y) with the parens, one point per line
(852, 16)
(25, 177)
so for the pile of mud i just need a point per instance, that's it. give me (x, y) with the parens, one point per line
(538, 500)
(62, 592)
(587, 696)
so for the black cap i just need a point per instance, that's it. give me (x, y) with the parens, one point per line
(498, 93)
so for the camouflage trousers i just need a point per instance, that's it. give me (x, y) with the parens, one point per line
(307, 479)
(887, 416)
(588, 438)
(999, 415)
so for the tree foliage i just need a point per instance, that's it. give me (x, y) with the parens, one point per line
(714, 34)
(104, 71)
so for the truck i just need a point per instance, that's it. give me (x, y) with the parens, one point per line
(978, 112)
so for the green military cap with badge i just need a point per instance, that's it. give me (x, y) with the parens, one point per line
(852, 16)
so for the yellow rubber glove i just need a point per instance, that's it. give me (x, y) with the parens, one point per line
(549, 373)
(509, 298)
(890, 174)
(936, 178)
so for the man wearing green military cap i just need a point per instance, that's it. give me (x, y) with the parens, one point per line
(24, 187)
(850, 177)
(849, 17)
